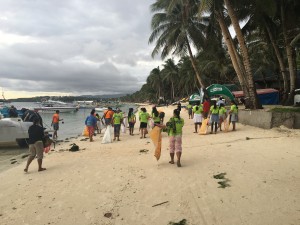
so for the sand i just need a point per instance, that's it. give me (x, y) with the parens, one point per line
(117, 184)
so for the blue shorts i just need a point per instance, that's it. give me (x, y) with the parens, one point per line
(56, 126)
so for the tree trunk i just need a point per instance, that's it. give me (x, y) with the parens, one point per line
(289, 54)
(253, 101)
(194, 64)
(281, 64)
(233, 54)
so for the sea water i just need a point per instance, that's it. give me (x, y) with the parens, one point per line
(72, 126)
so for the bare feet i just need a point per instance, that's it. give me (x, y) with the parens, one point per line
(25, 170)
(171, 162)
(178, 164)
(41, 169)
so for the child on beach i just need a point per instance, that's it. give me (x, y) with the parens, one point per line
(131, 120)
(174, 126)
(143, 117)
(91, 123)
(214, 114)
(197, 111)
(233, 114)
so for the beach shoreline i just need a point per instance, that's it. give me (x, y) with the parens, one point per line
(123, 183)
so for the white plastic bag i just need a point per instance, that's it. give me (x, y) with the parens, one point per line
(107, 137)
(124, 125)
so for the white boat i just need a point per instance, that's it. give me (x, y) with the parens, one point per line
(101, 109)
(13, 131)
(53, 109)
(85, 104)
(51, 106)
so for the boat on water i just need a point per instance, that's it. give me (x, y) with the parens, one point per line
(100, 109)
(86, 104)
(13, 131)
(51, 106)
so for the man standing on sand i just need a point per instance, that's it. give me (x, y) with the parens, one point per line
(36, 147)
(116, 122)
(108, 115)
(55, 123)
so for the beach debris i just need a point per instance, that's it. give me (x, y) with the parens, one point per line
(144, 150)
(181, 222)
(13, 162)
(224, 183)
(12, 159)
(24, 156)
(74, 148)
(108, 215)
(247, 138)
(84, 139)
(160, 203)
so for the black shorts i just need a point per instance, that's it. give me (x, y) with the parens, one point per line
(143, 125)
(117, 128)
(131, 124)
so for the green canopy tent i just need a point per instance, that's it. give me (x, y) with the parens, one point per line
(195, 99)
(218, 89)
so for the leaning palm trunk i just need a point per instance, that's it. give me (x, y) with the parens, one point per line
(253, 99)
(233, 54)
(194, 64)
(281, 64)
(289, 54)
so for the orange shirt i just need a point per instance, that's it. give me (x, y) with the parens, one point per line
(108, 114)
(55, 118)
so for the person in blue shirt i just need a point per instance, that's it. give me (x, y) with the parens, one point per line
(91, 123)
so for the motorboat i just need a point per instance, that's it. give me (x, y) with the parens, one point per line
(13, 131)
(100, 109)
(51, 106)
(85, 104)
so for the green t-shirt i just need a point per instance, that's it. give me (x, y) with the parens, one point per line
(214, 110)
(132, 118)
(178, 124)
(144, 116)
(234, 109)
(156, 119)
(189, 106)
(222, 111)
(199, 111)
(117, 117)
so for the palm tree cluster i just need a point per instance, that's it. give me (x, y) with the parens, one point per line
(197, 34)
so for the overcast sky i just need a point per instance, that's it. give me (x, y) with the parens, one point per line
(74, 47)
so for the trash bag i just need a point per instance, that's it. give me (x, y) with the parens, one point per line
(85, 131)
(74, 148)
(107, 137)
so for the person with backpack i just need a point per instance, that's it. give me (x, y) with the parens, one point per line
(108, 115)
(174, 129)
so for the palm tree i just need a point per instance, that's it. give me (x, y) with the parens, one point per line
(154, 80)
(170, 75)
(175, 27)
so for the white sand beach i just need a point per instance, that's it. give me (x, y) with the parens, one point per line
(119, 184)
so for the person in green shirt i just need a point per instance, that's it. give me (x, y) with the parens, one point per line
(155, 116)
(233, 114)
(197, 111)
(174, 126)
(190, 110)
(116, 122)
(131, 120)
(222, 115)
(143, 116)
(214, 117)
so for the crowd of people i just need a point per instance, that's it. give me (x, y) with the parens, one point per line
(212, 111)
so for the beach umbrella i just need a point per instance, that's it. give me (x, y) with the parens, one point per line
(155, 136)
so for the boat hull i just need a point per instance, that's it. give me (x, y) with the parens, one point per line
(13, 131)
(53, 109)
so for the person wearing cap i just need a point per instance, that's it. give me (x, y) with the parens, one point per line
(36, 147)
(55, 123)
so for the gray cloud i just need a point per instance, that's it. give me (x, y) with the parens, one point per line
(76, 47)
